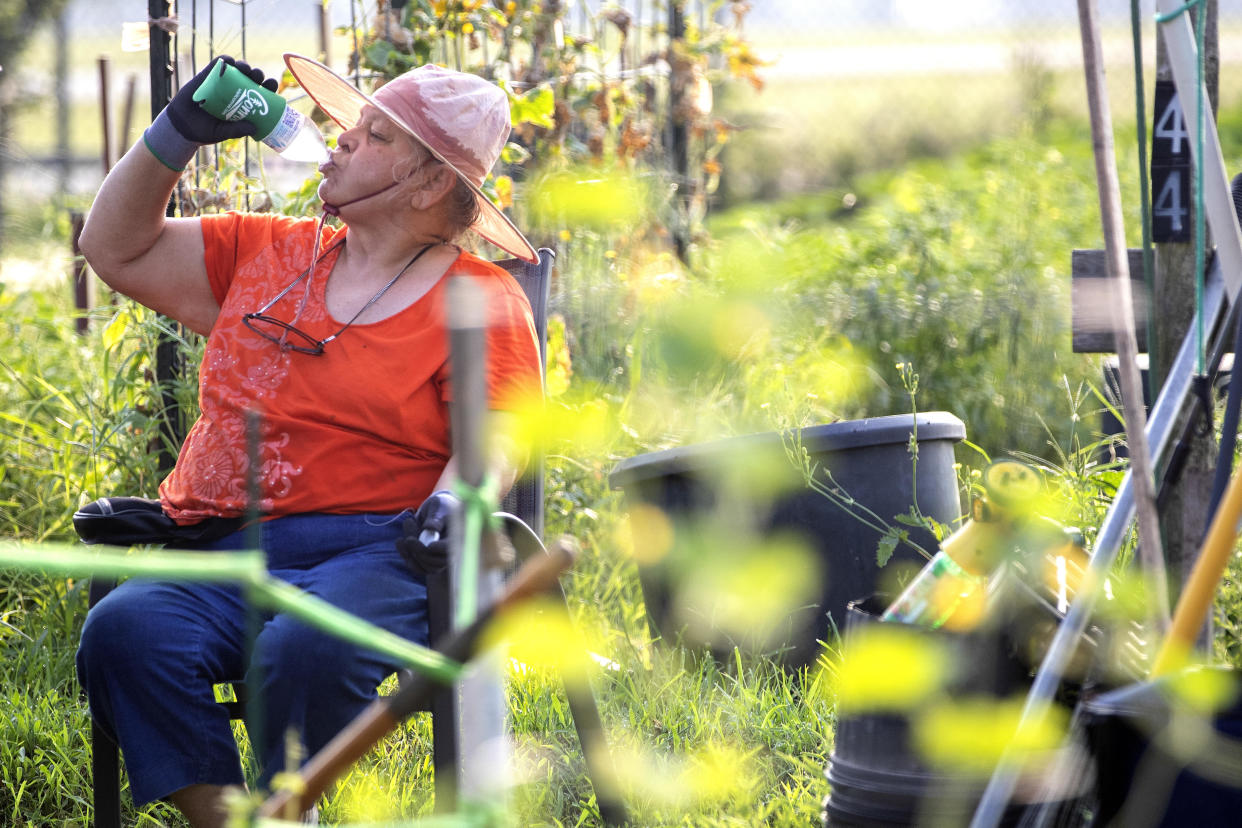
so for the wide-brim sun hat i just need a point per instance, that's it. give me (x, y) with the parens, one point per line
(462, 120)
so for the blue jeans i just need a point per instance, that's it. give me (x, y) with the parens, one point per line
(151, 651)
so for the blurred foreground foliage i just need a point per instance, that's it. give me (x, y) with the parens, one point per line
(790, 315)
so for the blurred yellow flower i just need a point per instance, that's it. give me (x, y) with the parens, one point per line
(970, 735)
(1204, 690)
(581, 427)
(650, 533)
(588, 198)
(539, 634)
(504, 191)
(712, 772)
(747, 591)
(889, 667)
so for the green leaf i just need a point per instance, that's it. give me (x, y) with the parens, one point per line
(909, 519)
(377, 53)
(514, 153)
(115, 331)
(536, 107)
(496, 15)
(888, 544)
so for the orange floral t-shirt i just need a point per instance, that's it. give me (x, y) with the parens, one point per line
(362, 427)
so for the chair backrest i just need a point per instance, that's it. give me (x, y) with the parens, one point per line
(525, 499)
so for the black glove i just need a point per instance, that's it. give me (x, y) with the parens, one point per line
(424, 538)
(195, 123)
(183, 126)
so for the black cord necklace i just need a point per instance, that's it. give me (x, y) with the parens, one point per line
(381, 291)
(315, 346)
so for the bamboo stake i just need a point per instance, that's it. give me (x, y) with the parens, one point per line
(476, 581)
(1151, 554)
(1135, 493)
(127, 114)
(1200, 590)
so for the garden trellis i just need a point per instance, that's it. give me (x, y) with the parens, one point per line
(591, 83)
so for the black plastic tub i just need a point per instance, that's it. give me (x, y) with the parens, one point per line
(866, 460)
(1141, 780)
(878, 777)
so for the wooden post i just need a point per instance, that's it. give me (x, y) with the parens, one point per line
(1184, 505)
(127, 116)
(81, 276)
(61, 72)
(325, 33)
(105, 108)
(677, 133)
(1127, 347)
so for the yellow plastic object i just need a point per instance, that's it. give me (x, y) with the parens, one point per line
(980, 544)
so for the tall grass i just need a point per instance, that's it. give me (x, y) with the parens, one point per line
(797, 313)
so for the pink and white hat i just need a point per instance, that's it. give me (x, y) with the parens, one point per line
(462, 120)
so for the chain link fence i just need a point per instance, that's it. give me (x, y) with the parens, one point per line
(856, 85)
(849, 86)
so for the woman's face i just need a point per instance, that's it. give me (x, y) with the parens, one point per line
(369, 157)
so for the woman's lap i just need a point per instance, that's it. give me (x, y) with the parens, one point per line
(151, 651)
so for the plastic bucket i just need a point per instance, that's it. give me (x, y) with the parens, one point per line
(866, 460)
(1138, 777)
(877, 775)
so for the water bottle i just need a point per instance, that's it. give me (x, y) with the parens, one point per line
(228, 94)
(951, 590)
(943, 594)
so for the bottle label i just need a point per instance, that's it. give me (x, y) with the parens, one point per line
(285, 131)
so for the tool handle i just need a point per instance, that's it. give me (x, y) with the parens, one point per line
(1200, 589)
(347, 747)
(537, 575)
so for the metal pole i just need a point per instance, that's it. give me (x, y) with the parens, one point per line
(1179, 40)
(168, 357)
(483, 758)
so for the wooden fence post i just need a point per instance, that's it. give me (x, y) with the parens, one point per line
(105, 109)
(677, 133)
(1183, 513)
(81, 276)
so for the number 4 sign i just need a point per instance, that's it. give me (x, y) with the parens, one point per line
(1170, 168)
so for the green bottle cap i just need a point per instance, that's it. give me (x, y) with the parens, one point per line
(231, 96)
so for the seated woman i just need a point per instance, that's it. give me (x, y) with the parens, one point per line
(336, 337)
